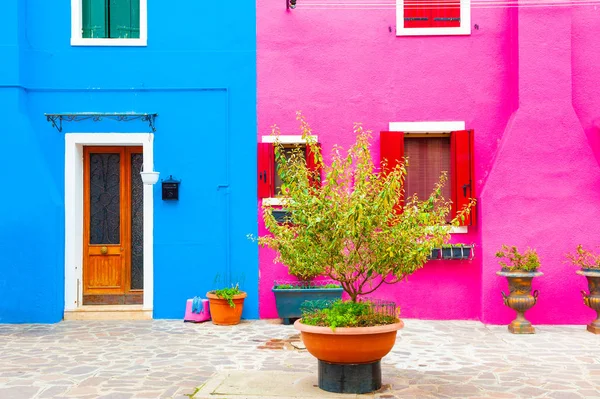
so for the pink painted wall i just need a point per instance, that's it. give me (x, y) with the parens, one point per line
(527, 87)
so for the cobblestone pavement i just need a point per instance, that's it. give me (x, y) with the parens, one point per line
(152, 359)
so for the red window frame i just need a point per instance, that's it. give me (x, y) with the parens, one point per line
(266, 168)
(462, 173)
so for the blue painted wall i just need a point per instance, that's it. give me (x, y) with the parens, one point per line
(198, 73)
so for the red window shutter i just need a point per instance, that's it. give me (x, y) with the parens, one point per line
(463, 173)
(418, 13)
(392, 150)
(266, 170)
(312, 165)
(446, 14)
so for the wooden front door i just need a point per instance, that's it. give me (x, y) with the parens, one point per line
(113, 226)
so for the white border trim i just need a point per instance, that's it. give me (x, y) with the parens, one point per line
(459, 229)
(273, 201)
(464, 29)
(427, 127)
(76, 29)
(74, 143)
(287, 139)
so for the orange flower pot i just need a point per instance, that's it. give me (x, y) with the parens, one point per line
(222, 314)
(349, 345)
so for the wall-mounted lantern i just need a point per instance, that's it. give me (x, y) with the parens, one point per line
(170, 189)
(149, 178)
(290, 4)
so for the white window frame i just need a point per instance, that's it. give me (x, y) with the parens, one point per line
(77, 38)
(463, 29)
(431, 127)
(287, 139)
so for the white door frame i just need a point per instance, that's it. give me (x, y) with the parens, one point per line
(74, 143)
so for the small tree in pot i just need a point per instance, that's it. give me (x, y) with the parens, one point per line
(359, 229)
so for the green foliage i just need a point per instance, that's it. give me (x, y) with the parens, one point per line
(528, 261)
(285, 287)
(584, 258)
(347, 314)
(331, 286)
(353, 227)
(228, 293)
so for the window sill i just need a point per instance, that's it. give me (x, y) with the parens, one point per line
(78, 41)
(279, 201)
(459, 229)
(273, 201)
(465, 31)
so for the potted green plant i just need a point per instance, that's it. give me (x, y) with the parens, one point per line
(519, 269)
(357, 231)
(589, 263)
(226, 305)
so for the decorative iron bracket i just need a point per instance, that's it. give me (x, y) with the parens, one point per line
(57, 119)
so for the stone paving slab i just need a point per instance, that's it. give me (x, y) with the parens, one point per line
(172, 359)
(266, 385)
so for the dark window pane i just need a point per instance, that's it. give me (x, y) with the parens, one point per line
(427, 159)
(105, 201)
(137, 223)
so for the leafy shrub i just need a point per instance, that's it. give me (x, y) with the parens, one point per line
(347, 314)
(527, 261)
(584, 258)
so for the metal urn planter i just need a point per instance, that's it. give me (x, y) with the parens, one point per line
(593, 298)
(520, 299)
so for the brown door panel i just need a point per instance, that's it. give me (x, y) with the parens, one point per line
(107, 226)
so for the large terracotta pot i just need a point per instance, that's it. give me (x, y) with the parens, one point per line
(520, 299)
(221, 313)
(593, 298)
(349, 345)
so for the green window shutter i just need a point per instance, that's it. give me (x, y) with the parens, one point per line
(93, 18)
(125, 19)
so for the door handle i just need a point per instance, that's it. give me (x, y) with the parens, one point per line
(464, 187)
(262, 176)
(104, 250)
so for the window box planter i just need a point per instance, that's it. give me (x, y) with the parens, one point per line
(453, 252)
(289, 300)
(435, 254)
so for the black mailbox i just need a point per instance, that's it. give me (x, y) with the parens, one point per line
(170, 189)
